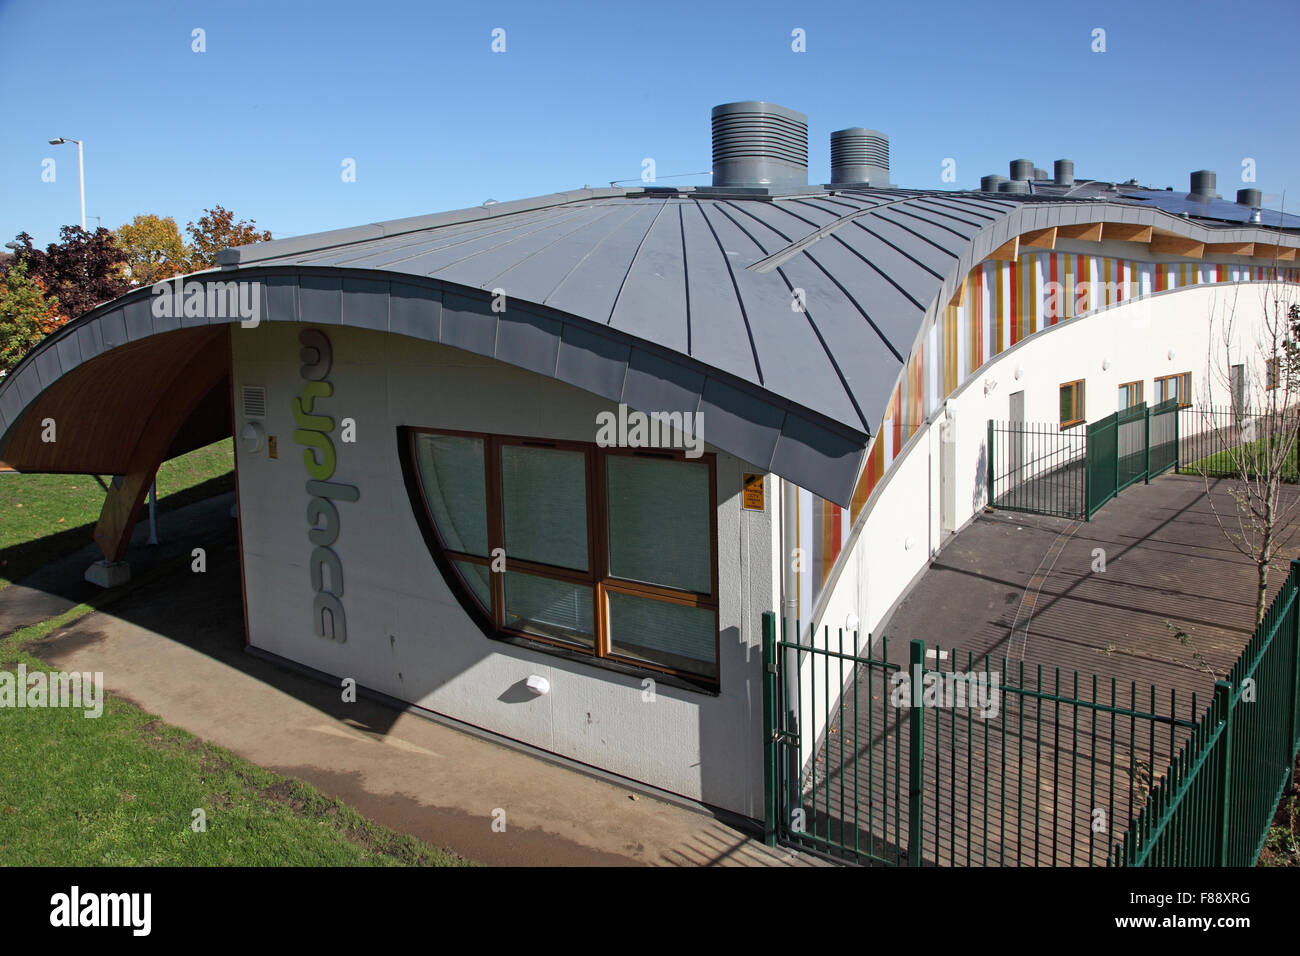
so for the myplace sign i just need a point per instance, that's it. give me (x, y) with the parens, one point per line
(313, 430)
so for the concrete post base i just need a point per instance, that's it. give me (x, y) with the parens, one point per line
(108, 574)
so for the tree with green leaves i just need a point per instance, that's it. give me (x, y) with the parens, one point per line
(26, 314)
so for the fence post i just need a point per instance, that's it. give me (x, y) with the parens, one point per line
(990, 463)
(1146, 443)
(1293, 584)
(1223, 705)
(916, 730)
(769, 728)
(1178, 442)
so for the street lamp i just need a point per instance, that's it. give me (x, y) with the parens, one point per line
(81, 174)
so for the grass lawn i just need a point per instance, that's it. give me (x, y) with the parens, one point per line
(1222, 463)
(44, 517)
(120, 790)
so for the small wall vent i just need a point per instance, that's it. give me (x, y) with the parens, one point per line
(254, 401)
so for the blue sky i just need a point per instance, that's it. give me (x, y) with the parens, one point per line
(286, 91)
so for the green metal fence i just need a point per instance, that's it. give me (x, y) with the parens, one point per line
(1214, 804)
(1230, 443)
(1017, 766)
(1072, 472)
(1037, 468)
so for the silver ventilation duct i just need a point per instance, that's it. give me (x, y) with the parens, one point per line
(1203, 185)
(759, 144)
(1063, 172)
(859, 156)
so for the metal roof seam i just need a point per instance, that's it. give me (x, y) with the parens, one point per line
(902, 252)
(857, 305)
(632, 263)
(830, 357)
(735, 287)
(590, 252)
(686, 279)
(536, 252)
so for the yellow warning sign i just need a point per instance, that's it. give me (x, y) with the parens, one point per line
(754, 493)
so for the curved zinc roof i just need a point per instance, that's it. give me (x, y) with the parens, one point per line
(785, 318)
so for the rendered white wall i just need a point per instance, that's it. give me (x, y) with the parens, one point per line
(407, 635)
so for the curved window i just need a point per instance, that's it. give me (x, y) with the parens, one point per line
(607, 553)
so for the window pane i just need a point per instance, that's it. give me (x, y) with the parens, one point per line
(670, 635)
(549, 608)
(1067, 404)
(544, 491)
(451, 471)
(477, 576)
(659, 522)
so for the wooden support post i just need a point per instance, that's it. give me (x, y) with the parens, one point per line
(205, 369)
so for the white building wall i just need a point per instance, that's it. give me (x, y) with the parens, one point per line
(407, 635)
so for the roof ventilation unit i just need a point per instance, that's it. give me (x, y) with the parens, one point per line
(859, 157)
(758, 144)
(1250, 197)
(990, 184)
(1015, 186)
(1040, 175)
(1063, 172)
(1022, 170)
(1203, 185)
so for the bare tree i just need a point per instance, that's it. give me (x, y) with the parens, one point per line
(1256, 440)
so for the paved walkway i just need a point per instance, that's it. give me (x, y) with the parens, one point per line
(174, 646)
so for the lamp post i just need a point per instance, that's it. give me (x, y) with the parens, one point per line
(81, 173)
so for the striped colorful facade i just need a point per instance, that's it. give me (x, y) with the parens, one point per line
(1000, 303)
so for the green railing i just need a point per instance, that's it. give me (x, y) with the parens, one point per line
(1026, 766)
(1232, 443)
(1038, 468)
(1216, 801)
(1072, 472)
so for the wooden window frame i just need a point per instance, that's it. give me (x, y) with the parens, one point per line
(1129, 386)
(1178, 377)
(597, 576)
(1273, 373)
(1079, 406)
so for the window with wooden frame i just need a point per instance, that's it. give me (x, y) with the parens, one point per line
(603, 553)
(1072, 403)
(1175, 386)
(1130, 395)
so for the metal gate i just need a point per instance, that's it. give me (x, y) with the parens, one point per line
(862, 767)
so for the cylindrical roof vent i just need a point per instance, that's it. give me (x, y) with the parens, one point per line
(1250, 197)
(1203, 184)
(1063, 172)
(1022, 170)
(1014, 186)
(759, 144)
(1040, 175)
(859, 156)
(990, 183)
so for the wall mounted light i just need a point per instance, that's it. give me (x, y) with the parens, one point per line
(1105, 365)
(1171, 355)
(1020, 370)
(909, 543)
(989, 385)
(538, 685)
(253, 437)
(851, 623)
